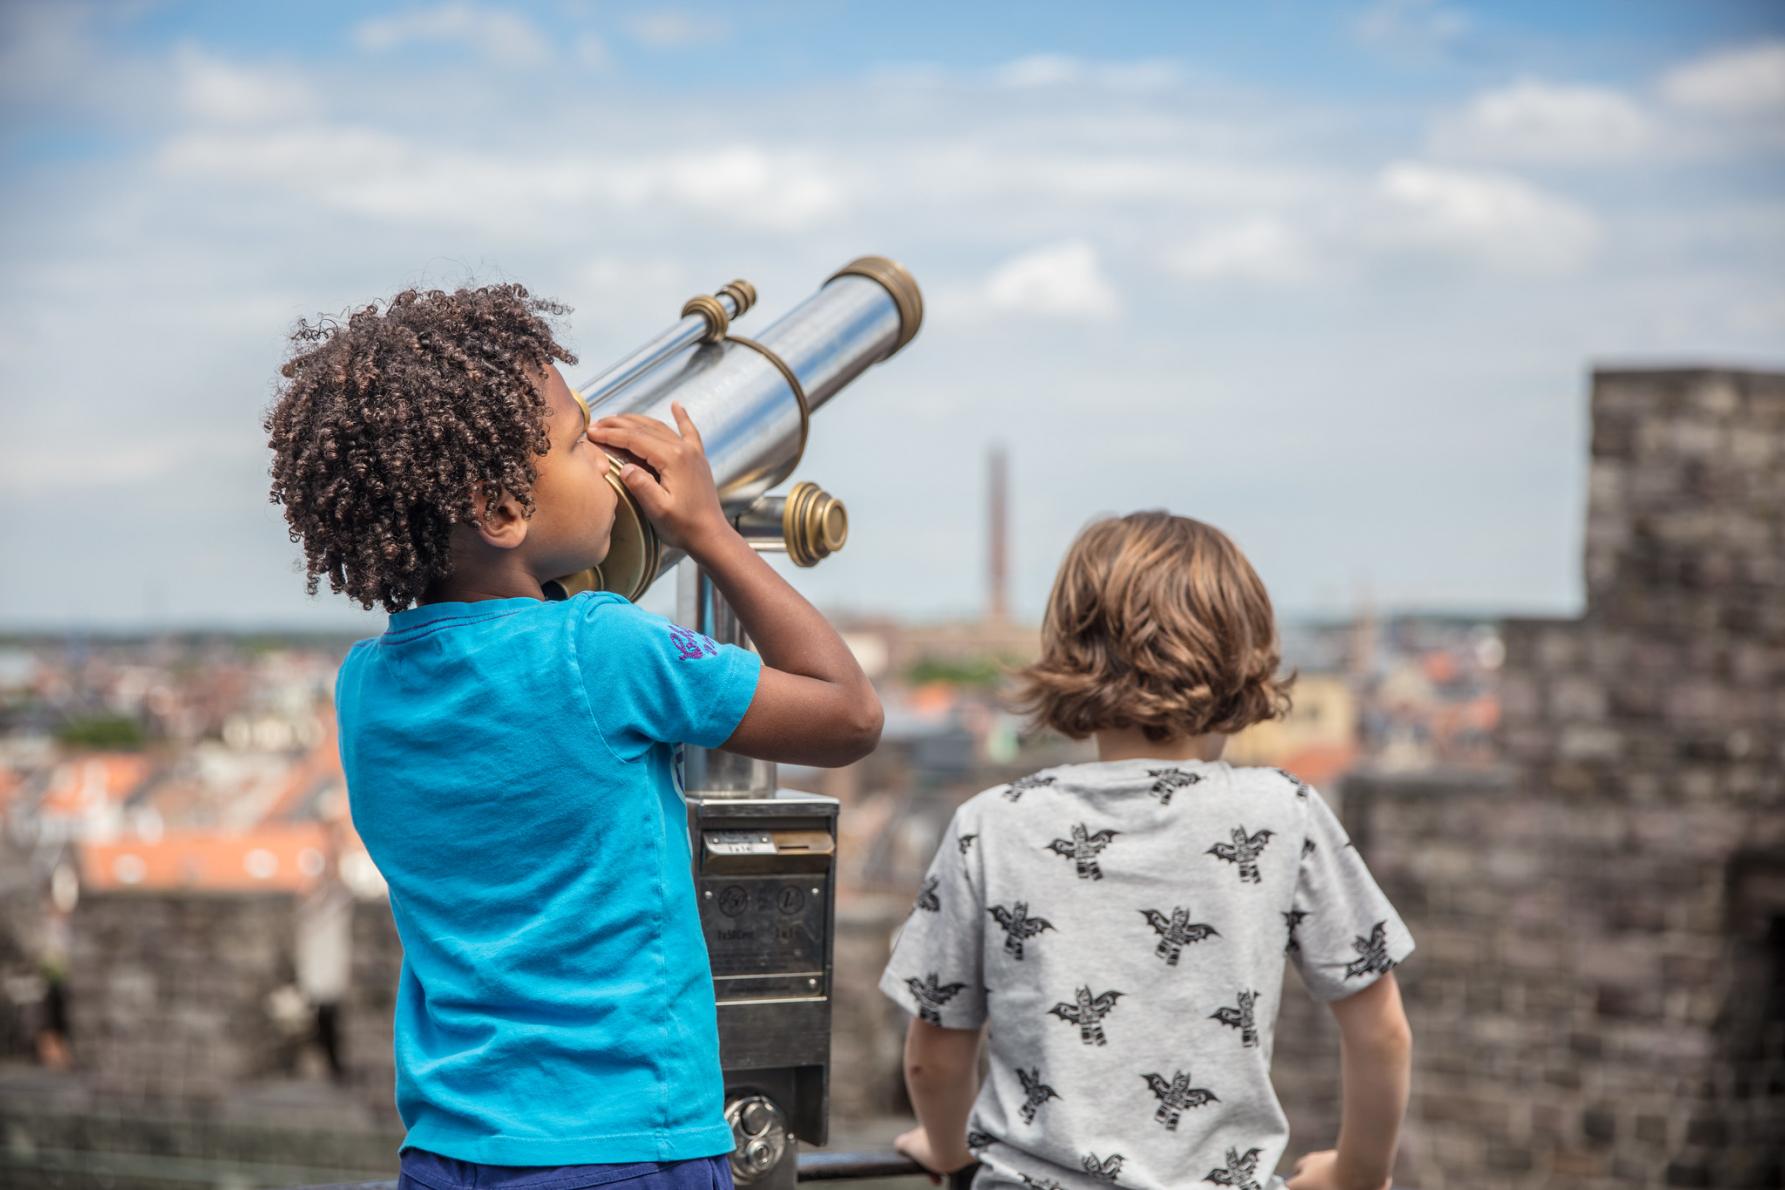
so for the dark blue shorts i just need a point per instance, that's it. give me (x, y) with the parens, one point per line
(422, 1170)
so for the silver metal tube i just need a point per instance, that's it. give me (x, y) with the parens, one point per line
(714, 772)
(747, 413)
(836, 334)
(764, 525)
(735, 299)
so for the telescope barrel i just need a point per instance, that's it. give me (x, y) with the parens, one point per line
(699, 321)
(752, 399)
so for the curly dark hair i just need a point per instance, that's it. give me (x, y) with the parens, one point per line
(1155, 622)
(389, 423)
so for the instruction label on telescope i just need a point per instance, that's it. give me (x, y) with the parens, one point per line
(740, 842)
(763, 925)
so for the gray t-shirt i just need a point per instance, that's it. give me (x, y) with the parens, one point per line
(1122, 929)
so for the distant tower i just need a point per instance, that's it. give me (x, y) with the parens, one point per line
(1361, 655)
(997, 560)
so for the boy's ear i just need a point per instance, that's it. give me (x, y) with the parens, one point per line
(501, 523)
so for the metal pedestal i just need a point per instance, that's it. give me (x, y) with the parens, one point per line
(764, 873)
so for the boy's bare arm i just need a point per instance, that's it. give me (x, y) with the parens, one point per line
(1376, 1047)
(813, 704)
(942, 1075)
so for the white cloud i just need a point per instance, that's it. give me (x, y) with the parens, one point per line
(1061, 280)
(387, 177)
(1417, 28)
(1093, 175)
(1532, 121)
(1040, 70)
(215, 90)
(1494, 220)
(503, 36)
(592, 52)
(745, 185)
(1744, 82)
(1262, 249)
(1057, 70)
(674, 28)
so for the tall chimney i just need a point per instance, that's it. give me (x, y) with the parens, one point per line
(997, 555)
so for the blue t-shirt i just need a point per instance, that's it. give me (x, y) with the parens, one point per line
(511, 768)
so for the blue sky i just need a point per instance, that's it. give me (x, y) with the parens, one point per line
(1331, 276)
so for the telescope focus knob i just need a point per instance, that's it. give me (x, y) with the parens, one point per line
(815, 524)
(808, 522)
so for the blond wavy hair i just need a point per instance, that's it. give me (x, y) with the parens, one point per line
(1156, 622)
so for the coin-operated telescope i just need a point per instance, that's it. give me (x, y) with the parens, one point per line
(764, 857)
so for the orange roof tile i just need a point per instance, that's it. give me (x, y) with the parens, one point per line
(83, 783)
(320, 763)
(1440, 668)
(1320, 764)
(932, 699)
(285, 857)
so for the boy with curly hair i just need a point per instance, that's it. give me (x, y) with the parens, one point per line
(510, 759)
(1118, 929)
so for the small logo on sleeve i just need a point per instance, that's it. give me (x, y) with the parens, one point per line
(691, 645)
(1372, 953)
(930, 994)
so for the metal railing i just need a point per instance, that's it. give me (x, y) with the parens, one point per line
(848, 1167)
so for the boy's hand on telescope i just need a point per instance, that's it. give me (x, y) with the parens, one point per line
(680, 498)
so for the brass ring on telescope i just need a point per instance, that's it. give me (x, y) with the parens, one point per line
(899, 284)
(742, 294)
(709, 308)
(799, 394)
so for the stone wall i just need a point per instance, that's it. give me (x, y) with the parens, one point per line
(366, 1016)
(184, 1075)
(1596, 996)
(169, 991)
(867, 1029)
